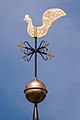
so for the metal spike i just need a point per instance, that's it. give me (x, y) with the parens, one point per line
(35, 112)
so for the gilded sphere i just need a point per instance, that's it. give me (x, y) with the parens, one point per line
(35, 91)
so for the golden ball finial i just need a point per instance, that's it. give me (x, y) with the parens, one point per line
(35, 91)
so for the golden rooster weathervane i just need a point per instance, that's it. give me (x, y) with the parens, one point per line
(48, 18)
(35, 91)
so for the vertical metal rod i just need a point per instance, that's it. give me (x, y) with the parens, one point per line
(35, 57)
(35, 112)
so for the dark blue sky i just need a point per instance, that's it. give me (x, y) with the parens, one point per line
(61, 74)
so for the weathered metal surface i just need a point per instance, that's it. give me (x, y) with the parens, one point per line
(35, 91)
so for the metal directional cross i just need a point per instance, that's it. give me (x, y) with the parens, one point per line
(29, 51)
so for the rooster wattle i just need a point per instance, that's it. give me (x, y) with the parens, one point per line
(48, 18)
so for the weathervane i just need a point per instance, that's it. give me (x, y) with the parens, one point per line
(35, 91)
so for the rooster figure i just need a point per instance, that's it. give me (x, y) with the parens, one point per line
(48, 18)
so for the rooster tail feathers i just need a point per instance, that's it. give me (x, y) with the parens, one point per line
(51, 15)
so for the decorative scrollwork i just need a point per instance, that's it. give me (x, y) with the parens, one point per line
(29, 50)
(44, 57)
(42, 42)
(29, 57)
(26, 43)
